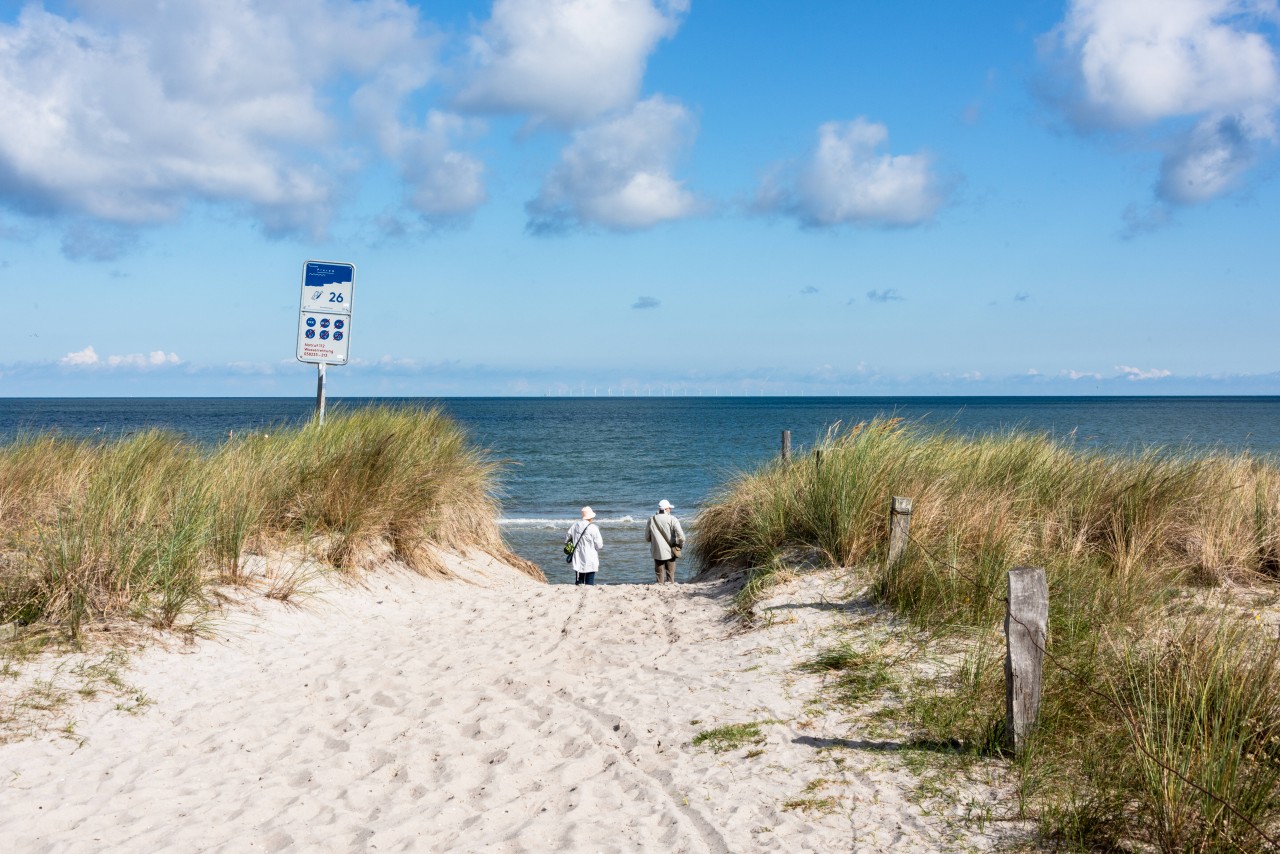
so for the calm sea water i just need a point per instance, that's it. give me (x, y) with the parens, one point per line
(621, 455)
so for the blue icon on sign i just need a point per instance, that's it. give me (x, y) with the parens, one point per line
(324, 334)
(337, 336)
(311, 333)
(338, 324)
(324, 324)
(311, 321)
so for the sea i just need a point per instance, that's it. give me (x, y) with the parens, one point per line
(621, 455)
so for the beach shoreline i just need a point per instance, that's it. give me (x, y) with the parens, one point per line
(489, 712)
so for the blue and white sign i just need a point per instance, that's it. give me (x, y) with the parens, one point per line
(327, 291)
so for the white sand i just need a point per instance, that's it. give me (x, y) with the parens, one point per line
(420, 715)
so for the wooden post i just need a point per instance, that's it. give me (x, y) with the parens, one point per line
(899, 529)
(1026, 626)
(786, 446)
(817, 459)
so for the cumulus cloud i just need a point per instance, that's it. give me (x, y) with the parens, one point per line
(89, 358)
(133, 110)
(80, 358)
(617, 174)
(849, 179)
(1081, 375)
(567, 61)
(1195, 73)
(442, 184)
(1140, 374)
(646, 302)
(1210, 160)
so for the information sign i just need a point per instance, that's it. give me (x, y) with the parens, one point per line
(325, 305)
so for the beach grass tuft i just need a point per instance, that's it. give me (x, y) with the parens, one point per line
(143, 527)
(1158, 726)
(728, 737)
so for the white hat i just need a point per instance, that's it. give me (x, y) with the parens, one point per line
(664, 504)
(588, 513)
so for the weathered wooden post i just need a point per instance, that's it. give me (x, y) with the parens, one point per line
(817, 459)
(899, 530)
(1026, 626)
(786, 446)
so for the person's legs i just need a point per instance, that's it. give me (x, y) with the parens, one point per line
(671, 571)
(665, 570)
(589, 578)
(577, 579)
(657, 569)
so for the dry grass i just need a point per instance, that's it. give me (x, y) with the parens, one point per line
(1157, 727)
(1018, 497)
(142, 528)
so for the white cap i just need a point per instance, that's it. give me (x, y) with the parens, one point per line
(588, 513)
(664, 504)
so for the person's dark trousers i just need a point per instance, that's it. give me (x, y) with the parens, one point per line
(584, 578)
(665, 570)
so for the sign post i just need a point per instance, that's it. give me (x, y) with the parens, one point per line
(324, 319)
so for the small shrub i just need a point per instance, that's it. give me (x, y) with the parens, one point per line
(722, 739)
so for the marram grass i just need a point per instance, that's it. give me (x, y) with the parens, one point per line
(1160, 720)
(145, 526)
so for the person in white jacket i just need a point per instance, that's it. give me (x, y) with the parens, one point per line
(585, 534)
(663, 532)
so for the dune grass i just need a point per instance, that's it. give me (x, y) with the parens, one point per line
(145, 526)
(1160, 723)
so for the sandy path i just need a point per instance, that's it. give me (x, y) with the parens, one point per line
(432, 716)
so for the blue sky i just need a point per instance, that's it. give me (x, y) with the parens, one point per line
(643, 196)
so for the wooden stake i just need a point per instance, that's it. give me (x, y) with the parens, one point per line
(899, 530)
(1026, 627)
(786, 446)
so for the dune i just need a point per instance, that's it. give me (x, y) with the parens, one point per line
(484, 713)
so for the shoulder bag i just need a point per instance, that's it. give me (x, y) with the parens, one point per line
(570, 546)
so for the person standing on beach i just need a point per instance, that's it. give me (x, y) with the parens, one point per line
(585, 535)
(665, 537)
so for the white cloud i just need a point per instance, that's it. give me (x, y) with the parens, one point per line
(89, 358)
(617, 174)
(1144, 60)
(1140, 374)
(569, 61)
(1154, 65)
(847, 180)
(80, 358)
(1210, 160)
(1081, 375)
(136, 108)
(442, 184)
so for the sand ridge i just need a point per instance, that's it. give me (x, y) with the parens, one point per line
(496, 714)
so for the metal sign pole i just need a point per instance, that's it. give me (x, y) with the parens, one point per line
(320, 392)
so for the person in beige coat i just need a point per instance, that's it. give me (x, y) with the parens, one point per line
(663, 532)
